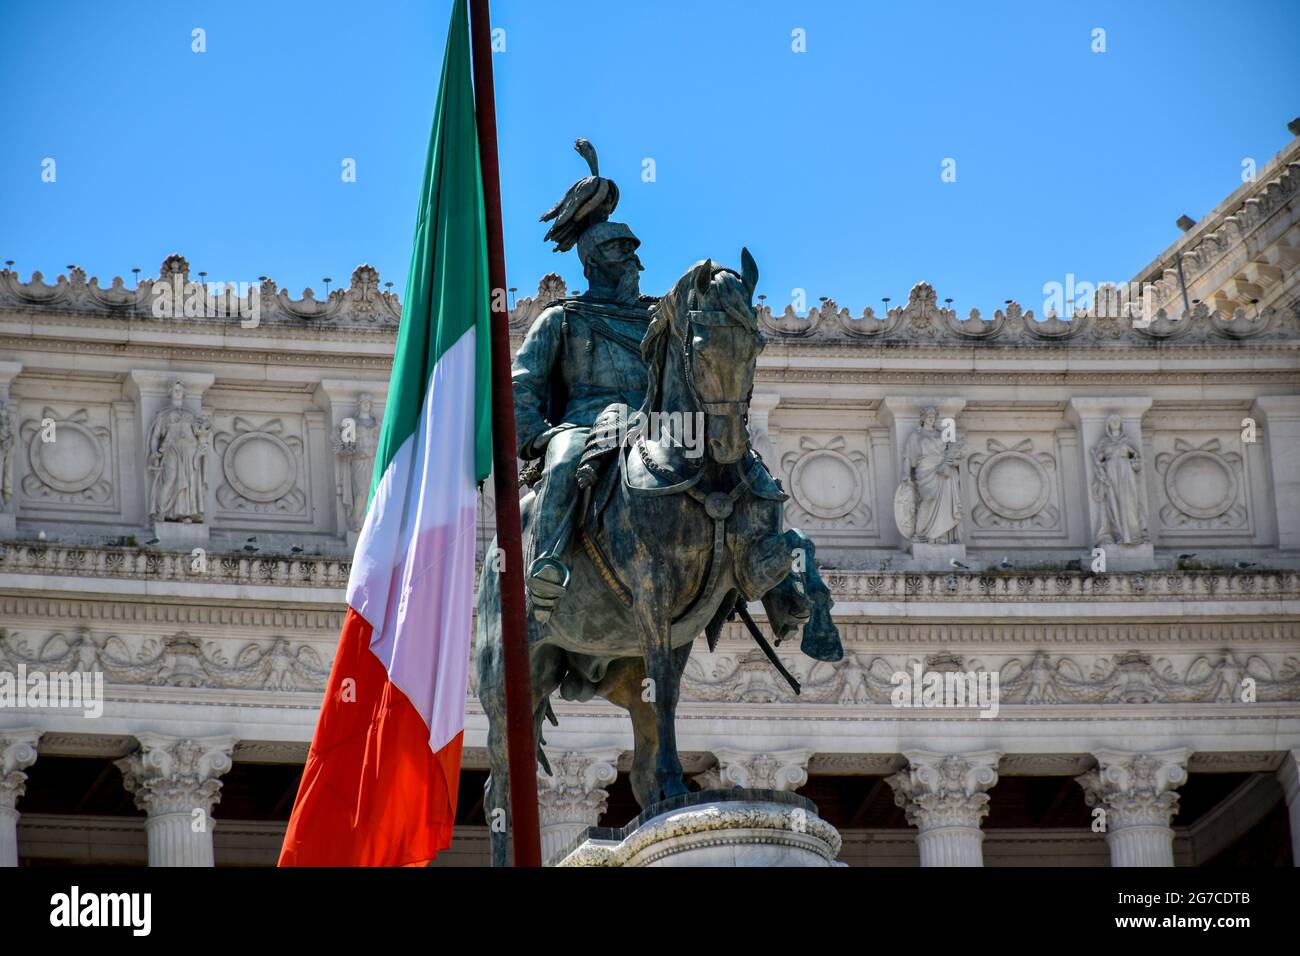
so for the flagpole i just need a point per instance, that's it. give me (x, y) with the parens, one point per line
(514, 634)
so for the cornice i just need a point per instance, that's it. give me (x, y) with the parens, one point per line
(213, 355)
(785, 374)
(1237, 216)
(1108, 328)
(55, 608)
(42, 560)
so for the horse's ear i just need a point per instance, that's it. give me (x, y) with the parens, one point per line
(748, 272)
(703, 276)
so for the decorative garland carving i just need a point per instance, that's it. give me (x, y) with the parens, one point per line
(1185, 507)
(277, 491)
(834, 492)
(71, 468)
(177, 661)
(1006, 511)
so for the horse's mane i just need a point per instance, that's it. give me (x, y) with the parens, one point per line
(726, 292)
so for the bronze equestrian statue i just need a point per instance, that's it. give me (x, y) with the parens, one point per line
(643, 530)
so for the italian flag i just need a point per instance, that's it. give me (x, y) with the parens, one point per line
(379, 787)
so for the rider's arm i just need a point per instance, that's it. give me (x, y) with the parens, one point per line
(530, 378)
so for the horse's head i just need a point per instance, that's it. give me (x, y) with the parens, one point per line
(709, 319)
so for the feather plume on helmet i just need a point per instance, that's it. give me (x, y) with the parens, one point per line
(589, 201)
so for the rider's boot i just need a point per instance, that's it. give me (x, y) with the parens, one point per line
(548, 574)
(547, 581)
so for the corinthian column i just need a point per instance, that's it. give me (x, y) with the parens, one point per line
(945, 797)
(17, 753)
(574, 797)
(1136, 794)
(175, 782)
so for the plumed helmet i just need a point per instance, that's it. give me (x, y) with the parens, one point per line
(601, 233)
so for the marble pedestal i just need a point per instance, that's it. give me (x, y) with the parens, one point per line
(937, 557)
(180, 536)
(714, 828)
(1129, 557)
(8, 526)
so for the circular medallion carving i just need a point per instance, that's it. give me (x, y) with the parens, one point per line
(827, 483)
(1014, 485)
(72, 462)
(1200, 484)
(260, 467)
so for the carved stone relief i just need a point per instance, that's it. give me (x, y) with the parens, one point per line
(1130, 677)
(927, 504)
(1015, 486)
(827, 482)
(1118, 488)
(177, 448)
(355, 442)
(179, 660)
(261, 468)
(68, 458)
(1203, 485)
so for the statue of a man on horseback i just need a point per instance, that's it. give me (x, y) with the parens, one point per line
(637, 544)
(581, 356)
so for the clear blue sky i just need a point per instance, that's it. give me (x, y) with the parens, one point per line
(826, 163)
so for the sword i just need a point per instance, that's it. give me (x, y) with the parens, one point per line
(765, 647)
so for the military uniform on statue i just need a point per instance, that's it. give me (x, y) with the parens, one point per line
(581, 356)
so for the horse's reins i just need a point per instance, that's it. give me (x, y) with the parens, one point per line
(718, 505)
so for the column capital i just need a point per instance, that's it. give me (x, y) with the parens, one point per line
(176, 774)
(17, 753)
(945, 790)
(1136, 789)
(575, 790)
(770, 770)
(573, 797)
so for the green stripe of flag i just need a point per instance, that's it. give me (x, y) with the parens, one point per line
(447, 291)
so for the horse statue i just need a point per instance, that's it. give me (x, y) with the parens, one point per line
(671, 546)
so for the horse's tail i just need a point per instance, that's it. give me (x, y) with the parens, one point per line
(492, 696)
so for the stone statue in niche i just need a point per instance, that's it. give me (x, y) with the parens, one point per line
(927, 505)
(179, 441)
(356, 443)
(1117, 465)
(8, 449)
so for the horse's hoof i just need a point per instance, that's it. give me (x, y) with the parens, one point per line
(671, 785)
(674, 788)
(822, 644)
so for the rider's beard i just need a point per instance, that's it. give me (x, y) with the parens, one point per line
(629, 283)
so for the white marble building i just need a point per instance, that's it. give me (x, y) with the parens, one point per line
(177, 509)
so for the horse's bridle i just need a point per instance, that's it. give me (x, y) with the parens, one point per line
(717, 318)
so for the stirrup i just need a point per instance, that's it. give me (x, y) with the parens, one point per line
(547, 580)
